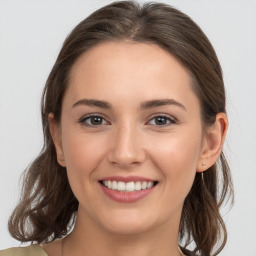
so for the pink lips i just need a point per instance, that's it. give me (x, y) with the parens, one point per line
(126, 197)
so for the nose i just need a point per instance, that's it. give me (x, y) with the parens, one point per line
(126, 148)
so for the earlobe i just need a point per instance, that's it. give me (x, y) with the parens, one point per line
(56, 137)
(213, 142)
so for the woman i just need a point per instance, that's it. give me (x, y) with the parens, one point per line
(134, 122)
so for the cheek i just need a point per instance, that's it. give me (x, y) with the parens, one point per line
(83, 153)
(176, 157)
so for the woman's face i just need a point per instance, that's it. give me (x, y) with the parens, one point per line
(130, 119)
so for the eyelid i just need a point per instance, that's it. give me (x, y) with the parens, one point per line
(172, 119)
(83, 118)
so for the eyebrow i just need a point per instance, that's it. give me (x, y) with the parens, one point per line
(93, 103)
(144, 105)
(162, 102)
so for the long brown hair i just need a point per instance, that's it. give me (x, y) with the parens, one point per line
(47, 208)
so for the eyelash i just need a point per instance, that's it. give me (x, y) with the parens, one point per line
(169, 119)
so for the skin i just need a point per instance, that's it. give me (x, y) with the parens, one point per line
(130, 141)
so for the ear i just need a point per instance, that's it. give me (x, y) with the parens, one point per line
(55, 131)
(213, 142)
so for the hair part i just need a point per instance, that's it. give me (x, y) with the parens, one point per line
(40, 216)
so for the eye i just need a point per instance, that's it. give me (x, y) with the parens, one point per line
(93, 120)
(162, 120)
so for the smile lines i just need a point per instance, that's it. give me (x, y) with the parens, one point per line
(128, 186)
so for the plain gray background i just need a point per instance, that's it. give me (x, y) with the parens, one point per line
(31, 35)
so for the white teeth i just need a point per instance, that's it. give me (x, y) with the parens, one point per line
(150, 184)
(138, 185)
(144, 185)
(120, 186)
(114, 184)
(129, 186)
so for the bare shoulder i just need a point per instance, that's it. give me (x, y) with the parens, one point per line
(52, 248)
(32, 250)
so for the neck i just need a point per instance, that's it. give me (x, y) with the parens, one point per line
(90, 239)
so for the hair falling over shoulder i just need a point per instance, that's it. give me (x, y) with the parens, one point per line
(47, 207)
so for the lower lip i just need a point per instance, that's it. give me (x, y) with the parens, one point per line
(126, 197)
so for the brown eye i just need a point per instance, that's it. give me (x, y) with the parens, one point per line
(93, 120)
(162, 120)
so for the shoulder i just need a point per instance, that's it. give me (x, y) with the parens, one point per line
(32, 250)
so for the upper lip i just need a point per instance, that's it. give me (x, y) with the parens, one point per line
(127, 178)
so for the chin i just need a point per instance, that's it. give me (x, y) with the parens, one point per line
(126, 228)
(129, 222)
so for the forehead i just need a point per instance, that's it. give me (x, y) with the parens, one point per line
(126, 69)
(140, 58)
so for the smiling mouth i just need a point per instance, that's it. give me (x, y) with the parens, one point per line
(130, 186)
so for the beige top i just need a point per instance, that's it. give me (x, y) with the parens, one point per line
(37, 250)
(32, 250)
